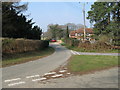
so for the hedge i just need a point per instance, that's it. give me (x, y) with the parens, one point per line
(89, 46)
(10, 45)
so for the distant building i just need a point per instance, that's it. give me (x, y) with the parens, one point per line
(79, 34)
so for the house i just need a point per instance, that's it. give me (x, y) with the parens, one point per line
(79, 34)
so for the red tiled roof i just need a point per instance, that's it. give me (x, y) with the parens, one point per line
(81, 30)
(72, 33)
(88, 30)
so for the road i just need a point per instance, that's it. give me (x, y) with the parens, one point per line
(14, 75)
(28, 75)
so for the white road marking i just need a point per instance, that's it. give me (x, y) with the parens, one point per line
(73, 52)
(50, 73)
(58, 75)
(32, 76)
(10, 80)
(16, 83)
(38, 79)
(77, 53)
(62, 71)
(68, 73)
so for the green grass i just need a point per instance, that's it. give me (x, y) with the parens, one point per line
(12, 59)
(63, 44)
(86, 63)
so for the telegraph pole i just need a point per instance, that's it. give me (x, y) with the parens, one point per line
(84, 21)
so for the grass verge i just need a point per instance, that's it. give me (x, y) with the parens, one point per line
(88, 63)
(12, 59)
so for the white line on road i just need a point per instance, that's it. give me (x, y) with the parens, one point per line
(16, 83)
(62, 71)
(38, 79)
(58, 75)
(32, 76)
(50, 73)
(73, 52)
(10, 80)
(77, 53)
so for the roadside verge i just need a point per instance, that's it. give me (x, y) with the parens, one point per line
(18, 58)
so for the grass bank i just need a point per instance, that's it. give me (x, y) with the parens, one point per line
(12, 59)
(88, 63)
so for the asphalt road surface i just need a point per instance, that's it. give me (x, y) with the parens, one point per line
(21, 74)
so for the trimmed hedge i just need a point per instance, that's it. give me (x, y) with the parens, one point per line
(95, 46)
(89, 46)
(10, 45)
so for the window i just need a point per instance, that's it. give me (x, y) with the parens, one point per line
(80, 34)
(88, 34)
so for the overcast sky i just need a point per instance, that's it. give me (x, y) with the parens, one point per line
(44, 13)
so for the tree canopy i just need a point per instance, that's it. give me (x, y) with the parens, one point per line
(15, 24)
(106, 16)
(56, 31)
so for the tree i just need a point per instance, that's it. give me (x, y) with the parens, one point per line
(98, 14)
(106, 16)
(36, 33)
(59, 31)
(15, 24)
(56, 31)
(10, 11)
(53, 29)
(67, 32)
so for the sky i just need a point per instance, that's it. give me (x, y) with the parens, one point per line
(44, 13)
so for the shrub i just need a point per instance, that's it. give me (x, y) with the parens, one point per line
(100, 45)
(75, 42)
(97, 45)
(63, 40)
(22, 45)
(72, 42)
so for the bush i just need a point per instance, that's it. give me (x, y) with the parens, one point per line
(72, 42)
(75, 42)
(101, 45)
(63, 40)
(22, 45)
